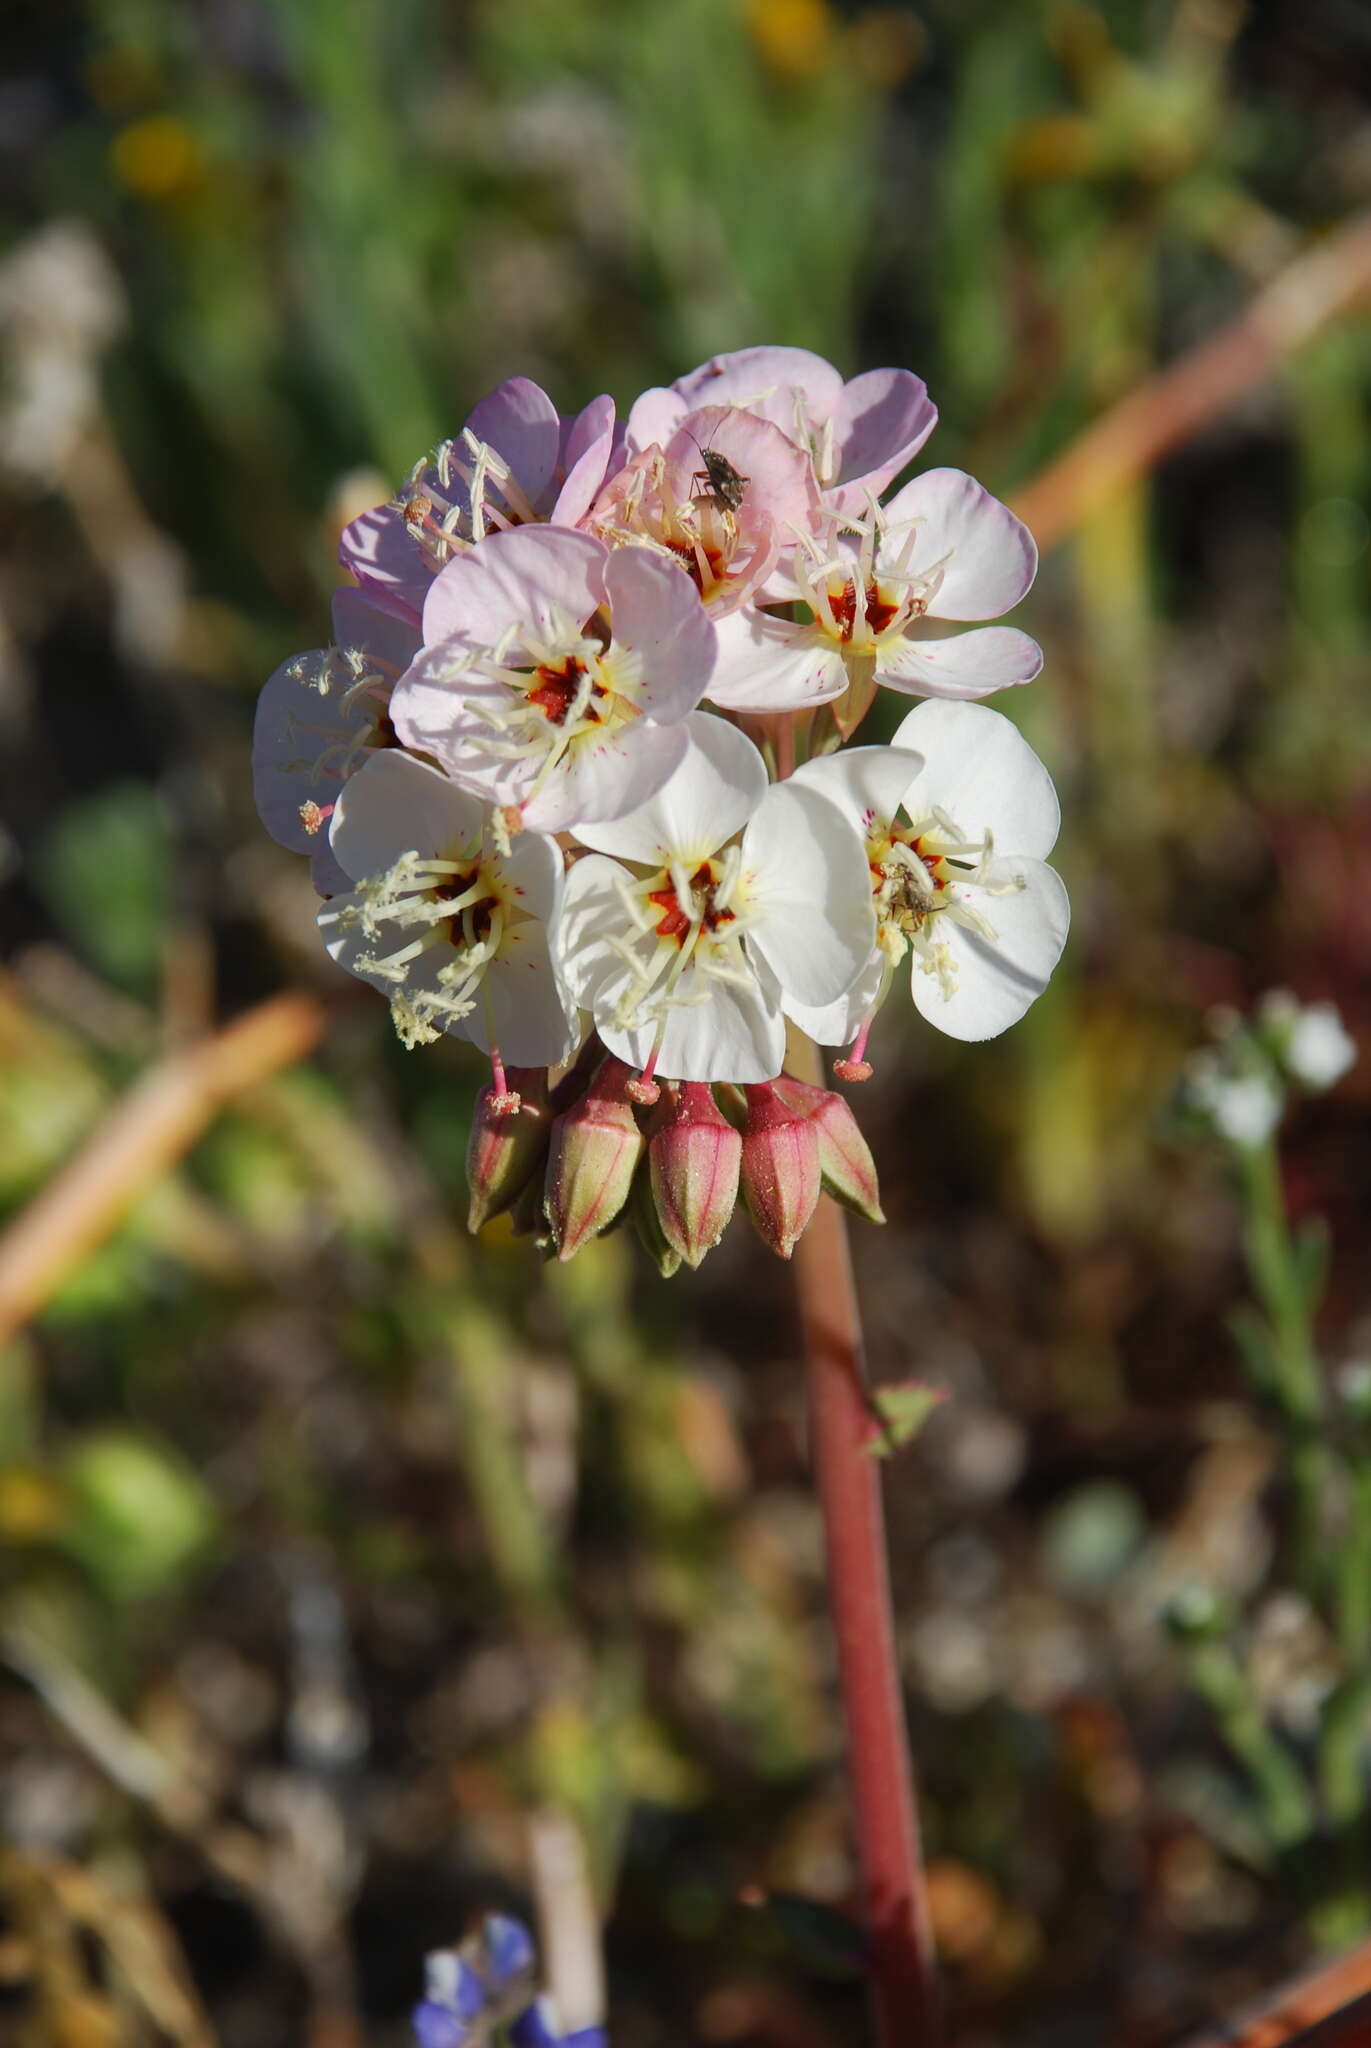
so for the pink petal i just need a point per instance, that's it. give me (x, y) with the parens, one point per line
(378, 549)
(359, 622)
(992, 558)
(521, 423)
(779, 476)
(527, 576)
(763, 379)
(879, 424)
(654, 418)
(601, 781)
(587, 442)
(656, 610)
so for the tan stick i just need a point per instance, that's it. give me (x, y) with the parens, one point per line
(1329, 2008)
(144, 1135)
(1322, 283)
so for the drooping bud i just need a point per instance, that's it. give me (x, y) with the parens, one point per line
(506, 1146)
(593, 1152)
(780, 1172)
(642, 1209)
(846, 1166)
(693, 1158)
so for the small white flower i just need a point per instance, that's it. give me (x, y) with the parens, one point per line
(1244, 1108)
(711, 909)
(1312, 1042)
(453, 929)
(959, 881)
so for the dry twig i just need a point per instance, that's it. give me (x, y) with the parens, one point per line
(1330, 2008)
(1322, 283)
(144, 1135)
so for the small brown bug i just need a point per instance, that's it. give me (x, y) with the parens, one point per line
(726, 486)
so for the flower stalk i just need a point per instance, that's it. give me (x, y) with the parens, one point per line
(848, 1479)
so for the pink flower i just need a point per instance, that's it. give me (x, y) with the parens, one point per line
(666, 499)
(556, 675)
(517, 461)
(319, 717)
(943, 548)
(858, 435)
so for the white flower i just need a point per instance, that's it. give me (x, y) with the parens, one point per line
(1244, 1108)
(714, 907)
(943, 548)
(960, 880)
(451, 928)
(318, 718)
(1312, 1042)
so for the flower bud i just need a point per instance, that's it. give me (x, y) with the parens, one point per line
(593, 1152)
(780, 1173)
(693, 1158)
(505, 1146)
(846, 1166)
(642, 1209)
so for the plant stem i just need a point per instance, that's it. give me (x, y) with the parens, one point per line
(1296, 1381)
(894, 1894)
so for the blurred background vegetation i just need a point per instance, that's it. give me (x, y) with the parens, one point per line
(337, 1548)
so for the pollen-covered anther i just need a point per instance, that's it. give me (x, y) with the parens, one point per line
(853, 1070)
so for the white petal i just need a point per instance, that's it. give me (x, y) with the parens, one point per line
(395, 805)
(737, 1035)
(299, 737)
(805, 870)
(533, 868)
(768, 664)
(973, 664)
(992, 557)
(981, 770)
(867, 784)
(529, 1017)
(710, 796)
(838, 1023)
(998, 980)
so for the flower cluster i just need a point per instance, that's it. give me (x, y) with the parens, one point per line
(486, 1990)
(571, 784)
(1237, 1088)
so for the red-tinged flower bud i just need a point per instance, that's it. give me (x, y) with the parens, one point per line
(590, 1163)
(780, 1168)
(846, 1166)
(506, 1146)
(693, 1157)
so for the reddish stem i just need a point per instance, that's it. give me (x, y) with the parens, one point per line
(894, 1895)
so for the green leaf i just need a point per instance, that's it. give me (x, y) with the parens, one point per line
(139, 1518)
(900, 1412)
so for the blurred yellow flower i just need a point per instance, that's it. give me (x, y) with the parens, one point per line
(158, 158)
(794, 38)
